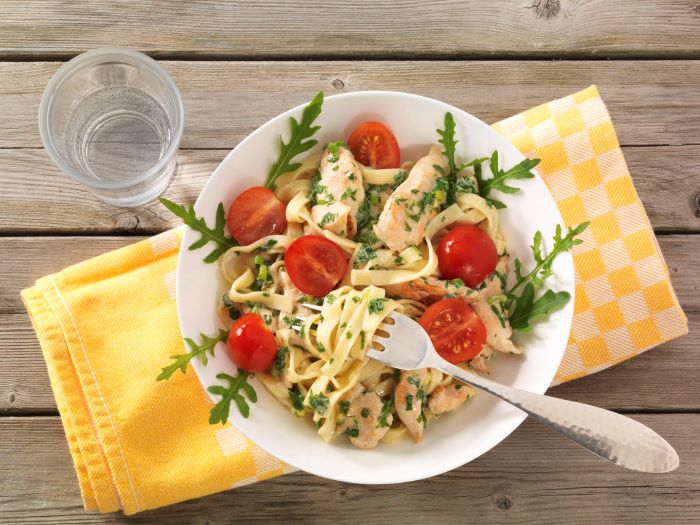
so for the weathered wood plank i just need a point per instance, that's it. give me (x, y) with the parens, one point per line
(665, 176)
(636, 384)
(377, 28)
(651, 102)
(526, 479)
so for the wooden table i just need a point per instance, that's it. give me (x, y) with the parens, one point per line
(238, 65)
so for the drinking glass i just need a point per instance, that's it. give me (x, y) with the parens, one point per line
(112, 119)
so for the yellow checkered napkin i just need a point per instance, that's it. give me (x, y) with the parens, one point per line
(107, 325)
(624, 300)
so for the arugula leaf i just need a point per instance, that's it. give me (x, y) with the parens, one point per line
(208, 344)
(300, 140)
(527, 310)
(498, 181)
(449, 142)
(198, 224)
(220, 412)
(543, 266)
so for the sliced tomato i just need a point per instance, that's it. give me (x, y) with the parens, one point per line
(374, 145)
(315, 264)
(468, 253)
(457, 333)
(256, 213)
(251, 345)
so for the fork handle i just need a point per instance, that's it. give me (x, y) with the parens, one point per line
(617, 438)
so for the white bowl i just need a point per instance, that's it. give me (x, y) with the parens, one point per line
(451, 440)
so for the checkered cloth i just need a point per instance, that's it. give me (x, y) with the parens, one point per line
(624, 300)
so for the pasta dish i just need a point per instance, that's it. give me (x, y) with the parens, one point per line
(317, 260)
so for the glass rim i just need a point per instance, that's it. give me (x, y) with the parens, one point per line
(96, 56)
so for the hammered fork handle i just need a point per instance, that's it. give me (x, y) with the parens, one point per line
(617, 438)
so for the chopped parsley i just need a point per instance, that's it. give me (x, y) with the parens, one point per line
(296, 398)
(352, 432)
(364, 254)
(318, 403)
(362, 339)
(291, 322)
(348, 194)
(383, 419)
(344, 406)
(376, 305)
(365, 412)
(409, 401)
(334, 150)
(348, 335)
(233, 312)
(265, 246)
(457, 283)
(280, 361)
(327, 219)
(356, 299)
(330, 298)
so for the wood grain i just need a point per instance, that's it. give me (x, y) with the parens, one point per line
(636, 384)
(361, 29)
(651, 102)
(666, 178)
(526, 479)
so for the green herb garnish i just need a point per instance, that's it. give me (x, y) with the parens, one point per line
(364, 254)
(499, 177)
(525, 308)
(220, 412)
(296, 398)
(383, 419)
(217, 235)
(280, 361)
(300, 140)
(374, 306)
(327, 219)
(208, 344)
(318, 403)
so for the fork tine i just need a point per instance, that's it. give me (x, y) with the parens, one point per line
(313, 307)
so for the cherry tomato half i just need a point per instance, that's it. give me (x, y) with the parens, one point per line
(250, 345)
(467, 253)
(457, 333)
(256, 213)
(374, 145)
(315, 264)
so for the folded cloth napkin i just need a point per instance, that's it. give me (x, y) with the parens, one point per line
(106, 326)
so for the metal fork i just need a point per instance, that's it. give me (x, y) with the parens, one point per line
(617, 438)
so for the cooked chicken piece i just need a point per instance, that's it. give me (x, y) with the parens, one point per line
(498, 330)
(335, 218)
(447, 398)
(361, 423)
(402, 222)
(408, 401)
(429, 290)
(480, 362)
(340, 191)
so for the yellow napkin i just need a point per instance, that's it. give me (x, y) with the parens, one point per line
(107, 326)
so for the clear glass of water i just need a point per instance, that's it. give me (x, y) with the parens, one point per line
(112, 119)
